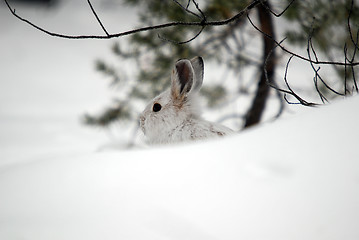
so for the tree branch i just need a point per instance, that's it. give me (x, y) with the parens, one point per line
(202, 17)
(97, 18)
(310, 48)
(272, 12)
(290, 91)
(202, 23)
(183, 42)
(299, 56)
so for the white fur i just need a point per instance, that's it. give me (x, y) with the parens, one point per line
(179, 118)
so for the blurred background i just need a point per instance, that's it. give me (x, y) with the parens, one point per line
(61, 96)
(47, 84)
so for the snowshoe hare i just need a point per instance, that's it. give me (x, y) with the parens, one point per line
(172, 116)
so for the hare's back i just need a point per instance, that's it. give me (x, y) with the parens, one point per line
(199, 129)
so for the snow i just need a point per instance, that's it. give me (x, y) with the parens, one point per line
(292, 179)
(295, 178)
(47, 83)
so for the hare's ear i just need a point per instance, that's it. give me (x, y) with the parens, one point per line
(198, 67)
(182, 79)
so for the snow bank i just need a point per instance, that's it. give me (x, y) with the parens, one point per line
(292, 179)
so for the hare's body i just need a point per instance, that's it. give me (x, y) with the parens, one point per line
(173, 116)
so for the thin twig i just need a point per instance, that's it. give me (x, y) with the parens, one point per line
(345, 69)
(310, 48)
(297, 55)
(290, 90)
(188, 3)
(204, 19)
(321, 95)
(276, 14)
(184, 42)
(301, 100)
(202, 23)
(349, 27)
(186, 9)
(281, 102)
(98, 19)
(310, 42)
(143, 29)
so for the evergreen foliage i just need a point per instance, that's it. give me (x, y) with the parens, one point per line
(325, 22)
(154, 52)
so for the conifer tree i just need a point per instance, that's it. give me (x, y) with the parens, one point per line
(329, 26)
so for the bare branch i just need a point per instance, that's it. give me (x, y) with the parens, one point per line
(204, 19)
(349, 27)
(345, 69)
(310, 43)
(188, 3)
(184, 42)
(356, 48)
(310, 48)
(276, 14)
(297, 55)
(186, 9)
(281, 103)
(202, 23)
(301, 100)
(98, 19)
(290, 90)
(232, 22)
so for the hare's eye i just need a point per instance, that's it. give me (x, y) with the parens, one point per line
(156, 107)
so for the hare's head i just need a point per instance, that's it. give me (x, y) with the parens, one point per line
(173, 107)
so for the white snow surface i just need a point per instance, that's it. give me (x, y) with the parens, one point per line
(295, 178)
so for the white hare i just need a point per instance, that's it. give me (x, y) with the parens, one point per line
(172, 116)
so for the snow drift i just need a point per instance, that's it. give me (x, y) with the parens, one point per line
(292, 179)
